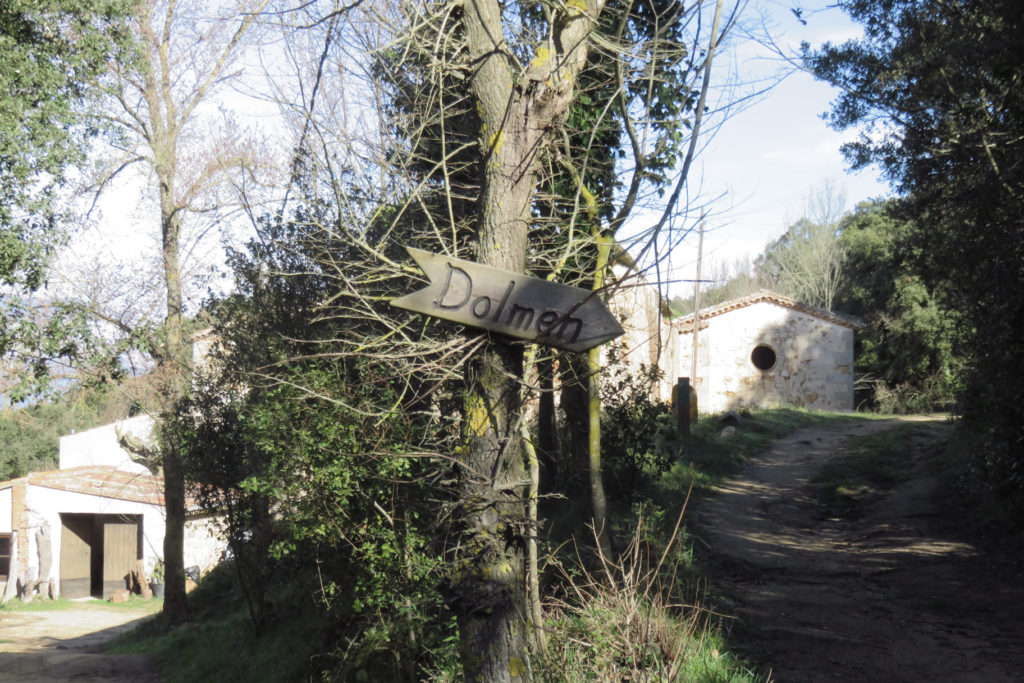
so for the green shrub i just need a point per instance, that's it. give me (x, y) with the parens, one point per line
(638, 436)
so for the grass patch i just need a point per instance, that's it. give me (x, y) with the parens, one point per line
(630, 620)
(876, 463)
(220, 644)
(38, 604)
(136, 602)
(225, 649)
(707, 458)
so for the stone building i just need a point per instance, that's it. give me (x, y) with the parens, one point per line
(638, 305)
(765, 350)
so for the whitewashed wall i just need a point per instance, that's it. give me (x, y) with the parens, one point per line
(5, 511)
(45, 505)
(99, 446)
(636, 304)
(204, 542)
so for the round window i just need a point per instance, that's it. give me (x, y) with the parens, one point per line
(763, 357)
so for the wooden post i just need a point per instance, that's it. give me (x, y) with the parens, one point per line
(144, 589)
(696, 305)
(682, 406)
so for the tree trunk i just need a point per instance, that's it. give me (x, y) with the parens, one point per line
(516, 115)
(547, 424)
(184, 56)
(489, 589)
(175, 364)
(575, 403)
(598, 502)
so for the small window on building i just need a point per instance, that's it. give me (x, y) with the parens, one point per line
(763, 357)
(5, 556)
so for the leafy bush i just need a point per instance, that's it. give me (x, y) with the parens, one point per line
(320, 496)
(638, 436)
(301, 445)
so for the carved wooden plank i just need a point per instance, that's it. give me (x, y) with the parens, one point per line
(510, 304)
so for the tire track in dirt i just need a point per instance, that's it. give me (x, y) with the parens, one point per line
(900, 591)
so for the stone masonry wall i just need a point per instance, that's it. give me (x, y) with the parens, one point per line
(813, 357)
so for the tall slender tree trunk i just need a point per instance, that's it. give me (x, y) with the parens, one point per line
(598, 502)
(185, 54)
(516, 115)
(547, 424)
(575, 397)
(175, 367)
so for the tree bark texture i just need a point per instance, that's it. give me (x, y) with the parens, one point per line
(574, 396)
(598, 502)
(517, 111)
(547, 424)
(175, 367)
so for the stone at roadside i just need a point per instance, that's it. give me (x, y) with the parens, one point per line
(120, 596)
(729, 419)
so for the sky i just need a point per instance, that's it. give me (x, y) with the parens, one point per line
(761, 166)
(765, 162)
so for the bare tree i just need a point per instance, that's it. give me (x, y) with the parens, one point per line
(155, 104)
(806, 261)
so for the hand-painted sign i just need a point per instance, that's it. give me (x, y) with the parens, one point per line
(508, 303)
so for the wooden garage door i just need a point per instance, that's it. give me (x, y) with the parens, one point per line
(120, 551)
(75, 555)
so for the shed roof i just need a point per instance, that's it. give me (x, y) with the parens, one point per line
(767, 296)
(99, 480)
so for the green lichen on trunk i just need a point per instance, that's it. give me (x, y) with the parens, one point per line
(517, 112)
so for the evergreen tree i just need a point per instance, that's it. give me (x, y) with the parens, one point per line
(936, 89)
(53, 53)
(907, 357)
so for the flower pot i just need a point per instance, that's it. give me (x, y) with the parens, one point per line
(157, 588)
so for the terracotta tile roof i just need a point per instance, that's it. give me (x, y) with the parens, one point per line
(98, 480)
(771, 297)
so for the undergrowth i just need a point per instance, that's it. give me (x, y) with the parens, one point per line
(219, 643)
(639, 616)
(631, 620)
(976, 495)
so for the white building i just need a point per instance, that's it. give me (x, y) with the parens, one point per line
(93, 519)
(765, 350)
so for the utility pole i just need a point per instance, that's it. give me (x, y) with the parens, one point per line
(696, 306)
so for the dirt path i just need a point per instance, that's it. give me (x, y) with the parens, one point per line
(892, 589)
(66, 645)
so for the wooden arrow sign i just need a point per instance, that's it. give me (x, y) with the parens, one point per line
(508, 303)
